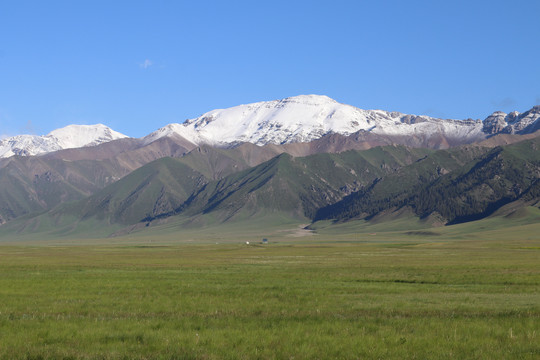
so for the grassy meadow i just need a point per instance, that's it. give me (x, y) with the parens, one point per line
(447, 293)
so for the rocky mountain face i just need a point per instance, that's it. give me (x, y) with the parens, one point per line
(513, 123)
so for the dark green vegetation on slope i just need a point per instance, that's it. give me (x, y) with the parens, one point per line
(454, 186)
(394, 295)
(155, 188)
(298, 186)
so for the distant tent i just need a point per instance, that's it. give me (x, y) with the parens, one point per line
(265, 241)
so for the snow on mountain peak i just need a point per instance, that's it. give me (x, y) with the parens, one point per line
(513, 122)
(309, 99)
(74, 136)
(300, 118)
(170, 130)
(71, 136)
(305, 118)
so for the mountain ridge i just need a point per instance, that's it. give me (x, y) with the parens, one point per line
(306, 118)
(293, 120)
(71, 136)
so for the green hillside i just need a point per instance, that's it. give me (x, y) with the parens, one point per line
(297, 186)
(451, 185)
(156, 188)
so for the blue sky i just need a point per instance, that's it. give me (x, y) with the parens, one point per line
(139, 65)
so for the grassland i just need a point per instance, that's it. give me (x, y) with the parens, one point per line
(451, 293)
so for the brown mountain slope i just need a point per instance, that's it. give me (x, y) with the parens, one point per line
(507, 139)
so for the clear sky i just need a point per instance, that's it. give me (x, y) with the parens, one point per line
(139, 65)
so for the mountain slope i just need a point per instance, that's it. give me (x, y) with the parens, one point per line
(296, 186)
(33, 184)
(218, 185)
(158, 187)
(464, 192)
(503, 175)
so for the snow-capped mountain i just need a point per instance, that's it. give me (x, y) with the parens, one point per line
(308, 117)
(295, 119)
(72, 136)
(513, 123)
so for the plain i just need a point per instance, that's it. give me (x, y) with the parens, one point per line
(463, 291)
